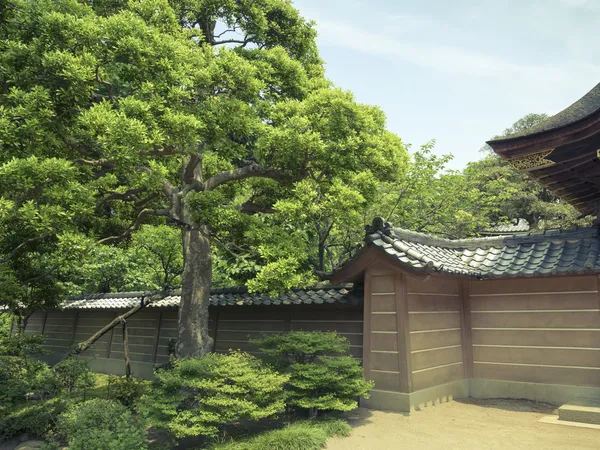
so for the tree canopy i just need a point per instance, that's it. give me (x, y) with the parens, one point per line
(203, 115)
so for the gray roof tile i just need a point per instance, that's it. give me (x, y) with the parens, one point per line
(344, 294)
(551, 252)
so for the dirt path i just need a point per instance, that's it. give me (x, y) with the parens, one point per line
(466, 425)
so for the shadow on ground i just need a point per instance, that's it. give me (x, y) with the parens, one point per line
(508, 404)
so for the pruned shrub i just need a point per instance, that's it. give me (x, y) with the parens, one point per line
(100, 424)
(319, 378)
(19, 376)
(70, 374)
(35, 420)
(126, 390)
(199, 396)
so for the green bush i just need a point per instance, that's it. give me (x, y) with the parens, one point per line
(69, 375)
(125, 390)
(304, 435)
(319, 380)
(100, 424)
(302, 346)
(199, 396)
(35, 420)
(19, 376)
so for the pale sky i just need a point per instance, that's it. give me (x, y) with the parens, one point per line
(459, 71)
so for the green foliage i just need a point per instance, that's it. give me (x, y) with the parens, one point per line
(126, 390)
(303, 435)
(317, 379)
(20, 372)
(99, 424)
(104, 104)
(200, 396)
(329, 384)
(35, 420)
(18, 377)
(71, 374)
(302, 346)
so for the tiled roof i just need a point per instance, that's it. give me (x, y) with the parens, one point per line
(516, 226)
(533, 254)
(345, 294)
(584, 107)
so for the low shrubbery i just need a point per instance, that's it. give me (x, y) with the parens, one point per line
(100, 424)
(201, 396)
(37, 419)
(303, 435)
(209, 397)
(322, 377)
(126, 390)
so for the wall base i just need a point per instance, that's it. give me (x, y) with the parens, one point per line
(117, 367)
(556, 394)
(415, 401)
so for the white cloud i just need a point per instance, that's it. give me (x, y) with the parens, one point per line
(574, 3)
(447, 58)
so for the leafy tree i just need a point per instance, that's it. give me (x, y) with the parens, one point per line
(194, 112)
(505, 193)
(523, 124)
(430, 199)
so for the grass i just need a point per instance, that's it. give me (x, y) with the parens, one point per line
(302, 435)
(100, 389)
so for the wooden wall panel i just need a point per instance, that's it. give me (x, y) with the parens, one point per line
(537, 319)
(437, 375)
(539, 284)
(435, 325)
(151, 330)
(434, 320)
(425, 359)
(538, 374)
(381, 344)
(433, 302)
(537, 330)
(425, 340)
(36, 323)
(59, 329)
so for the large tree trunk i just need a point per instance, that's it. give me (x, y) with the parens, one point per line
(193, 338)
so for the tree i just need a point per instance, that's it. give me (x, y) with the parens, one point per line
(505, 193)
(524, 123)
(186, 111)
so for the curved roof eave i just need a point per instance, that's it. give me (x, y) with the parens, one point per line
(584, 108)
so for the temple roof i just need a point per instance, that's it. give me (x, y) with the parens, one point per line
(546, 253)
(233, 296)
(581, 109)
(562, 153)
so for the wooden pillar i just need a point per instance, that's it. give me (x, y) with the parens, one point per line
(126, 349)
(215, 329)
(44, 322)
(466, 329)
(74, 328)
(403, 335)
(367, 326)
(110, 339)
(156, 338)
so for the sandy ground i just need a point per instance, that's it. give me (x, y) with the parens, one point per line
(465, 425)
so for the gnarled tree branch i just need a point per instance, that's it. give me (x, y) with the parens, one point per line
(146, 300)
(136, 225)
(21, 245)
(251, 171)
(95, 163)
